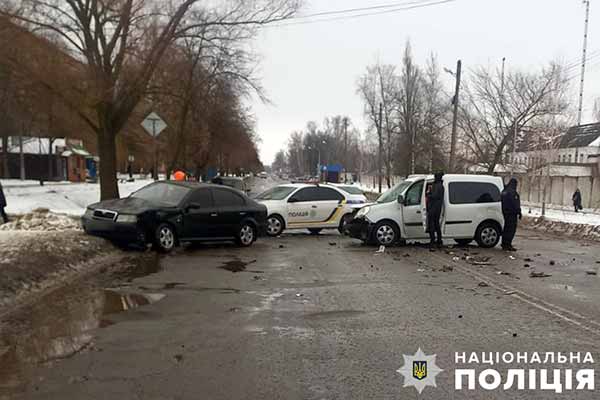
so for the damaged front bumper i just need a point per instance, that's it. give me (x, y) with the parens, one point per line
(359, 228)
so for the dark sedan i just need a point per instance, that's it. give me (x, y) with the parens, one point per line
(168, 213)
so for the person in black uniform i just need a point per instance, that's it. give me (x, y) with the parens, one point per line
(511, 208)
(2, 205)
(435, 202)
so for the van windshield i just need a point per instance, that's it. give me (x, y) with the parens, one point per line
(393, 193)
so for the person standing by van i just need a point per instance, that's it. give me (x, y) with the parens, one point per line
(2, 205)
(577, 200)
(435, 202)
(511, 209)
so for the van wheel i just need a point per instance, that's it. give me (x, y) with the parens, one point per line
(315, 231)
(164, 238)
(487, 235)
(463, 242)
(385, 233)
(274, 225)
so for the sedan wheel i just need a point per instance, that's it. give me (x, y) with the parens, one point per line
(274, 226)
(246, 235)
(385, 234)
(165, 238)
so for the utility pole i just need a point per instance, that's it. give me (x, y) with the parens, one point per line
(514, 147)
(583, 62)
(379, 133)
(345, 149)
(455, 118)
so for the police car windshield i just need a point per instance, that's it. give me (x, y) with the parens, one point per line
(393, 193)
(276, 193)
(162, 193)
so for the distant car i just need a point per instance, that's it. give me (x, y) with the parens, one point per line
(472, 211)
(355, 194)
(233, 182)
(263, 175)
(306, 206)
(167, 213)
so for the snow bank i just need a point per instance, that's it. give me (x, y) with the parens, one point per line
(579, 231)
(71, 199)
(563, 215)
(42, 220)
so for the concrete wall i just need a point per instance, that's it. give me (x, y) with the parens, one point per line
(560, 189)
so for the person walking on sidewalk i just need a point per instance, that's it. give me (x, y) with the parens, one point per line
(2, 205)
(511, 209)
(577, 200)
(435, 203)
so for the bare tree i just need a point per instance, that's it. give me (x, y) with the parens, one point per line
(492, 112)
(120, 44)
(410, 102)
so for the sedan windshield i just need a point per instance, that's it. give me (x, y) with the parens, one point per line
(393, 193)
(276, 193)
(162, 193)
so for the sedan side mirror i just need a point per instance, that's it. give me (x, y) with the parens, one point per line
(401, 199)
(293, 200)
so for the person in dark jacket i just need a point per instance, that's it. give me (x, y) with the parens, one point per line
(577, 200)
(511, 208)
(2, 205)
(435, 203)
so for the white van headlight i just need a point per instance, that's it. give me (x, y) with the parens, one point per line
(363, 212)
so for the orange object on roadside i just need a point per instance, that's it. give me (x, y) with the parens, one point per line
(179, 176)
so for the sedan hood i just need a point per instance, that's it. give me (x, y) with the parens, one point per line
(127, 205)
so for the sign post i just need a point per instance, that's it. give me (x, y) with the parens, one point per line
(154, 125)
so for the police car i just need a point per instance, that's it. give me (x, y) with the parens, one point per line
(306, 206)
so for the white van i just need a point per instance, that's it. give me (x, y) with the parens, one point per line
(472, 211)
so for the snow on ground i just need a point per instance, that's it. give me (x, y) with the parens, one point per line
(41, 220)
(70, 199)
(562, 215)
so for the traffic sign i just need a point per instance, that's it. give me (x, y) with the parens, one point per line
(154, 124)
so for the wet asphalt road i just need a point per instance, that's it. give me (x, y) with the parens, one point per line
(312, 317)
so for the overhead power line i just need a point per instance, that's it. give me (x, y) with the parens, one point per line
(360, 9)
(419, 4)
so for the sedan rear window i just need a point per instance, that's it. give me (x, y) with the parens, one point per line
(351, 189)
(162, 193)
(276, 193)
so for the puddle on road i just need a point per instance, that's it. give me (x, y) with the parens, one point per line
(61, 324)
(238, 266)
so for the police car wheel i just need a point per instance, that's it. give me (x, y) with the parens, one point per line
(274, 225)
(385, 233)
(345, 219)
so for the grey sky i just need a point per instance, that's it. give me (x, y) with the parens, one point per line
(310, 71)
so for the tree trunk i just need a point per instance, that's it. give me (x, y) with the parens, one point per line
(50, 158)
(107, 150)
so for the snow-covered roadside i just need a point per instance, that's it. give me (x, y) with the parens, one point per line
(70, 199)
(562, 215)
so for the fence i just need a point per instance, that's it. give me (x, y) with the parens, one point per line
(559, 190)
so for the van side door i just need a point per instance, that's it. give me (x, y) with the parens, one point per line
(468, 204)
(412, 211)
